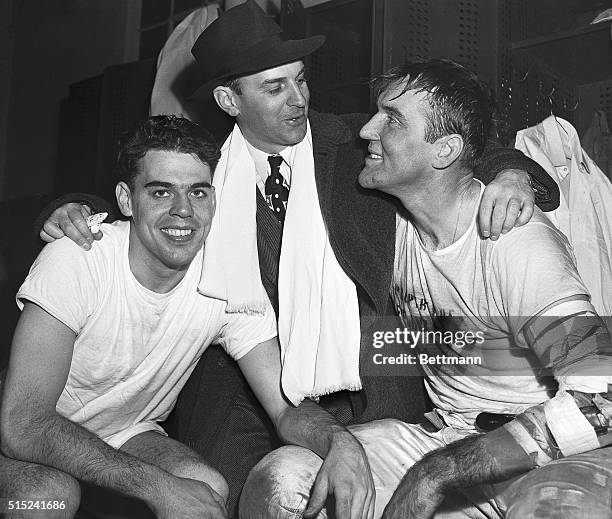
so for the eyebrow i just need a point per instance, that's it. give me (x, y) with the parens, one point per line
(279, 79)
(159, 183)
(393, 111)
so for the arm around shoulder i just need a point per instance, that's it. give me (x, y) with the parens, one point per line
(496, 159)
(66, 216)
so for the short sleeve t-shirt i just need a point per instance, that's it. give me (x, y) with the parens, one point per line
(491, 287)
(134, 348)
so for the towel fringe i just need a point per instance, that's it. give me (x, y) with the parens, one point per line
(249, 308)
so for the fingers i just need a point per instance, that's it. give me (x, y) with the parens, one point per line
(372, 508)
(355, 502)
(512, 213)
(504, 218)
(51, 232)
(343, 507)
(362, 508)
(217, 497)
(500, 215)
(526, 213)
(507, 202)
(72, 221)
(318, 496)
(370, 502)
(497, 220)
(484, 214)
(69, 220)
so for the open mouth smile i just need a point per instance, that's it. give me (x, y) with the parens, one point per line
(298, 119)
(177, 234)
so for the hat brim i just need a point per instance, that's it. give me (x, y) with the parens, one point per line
(285, 52)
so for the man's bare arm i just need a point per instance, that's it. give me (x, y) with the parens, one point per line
(32, 430)
(487, 458)
(345, 472)
(571, 347)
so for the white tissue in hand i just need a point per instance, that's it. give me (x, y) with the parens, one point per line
(95, 220)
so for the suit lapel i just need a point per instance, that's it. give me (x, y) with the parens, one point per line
(360, 224)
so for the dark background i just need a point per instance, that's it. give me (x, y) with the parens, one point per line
(66, 92)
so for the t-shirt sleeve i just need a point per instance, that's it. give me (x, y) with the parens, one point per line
(242, 332)
(533, 267)
(63, 281)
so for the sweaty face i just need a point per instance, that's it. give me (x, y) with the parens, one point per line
(172, 206)
(398, 155)
(273, 107)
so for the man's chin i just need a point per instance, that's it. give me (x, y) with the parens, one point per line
(366, 180)
(297, 135)
(181, 257)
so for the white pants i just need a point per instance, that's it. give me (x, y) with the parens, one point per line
(576, 487)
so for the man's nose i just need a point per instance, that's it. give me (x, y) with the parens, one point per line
(369, 131)
(298, 97)
(181, 207)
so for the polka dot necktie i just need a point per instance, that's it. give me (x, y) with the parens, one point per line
(276, 192)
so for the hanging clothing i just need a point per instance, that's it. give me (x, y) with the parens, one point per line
(597, 142)
(176, 69)
(585, 212)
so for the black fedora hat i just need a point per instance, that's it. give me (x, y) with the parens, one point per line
(244, 40)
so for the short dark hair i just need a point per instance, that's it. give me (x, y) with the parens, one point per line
(234, 84)
(458, 101)
(164, 133)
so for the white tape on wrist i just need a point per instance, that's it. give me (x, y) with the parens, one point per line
(571, 430)
(527, 443)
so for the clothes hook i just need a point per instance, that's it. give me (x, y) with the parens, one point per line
(550, 99)
(524, 78)
(574, 108)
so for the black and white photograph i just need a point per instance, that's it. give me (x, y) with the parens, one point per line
(306, 259)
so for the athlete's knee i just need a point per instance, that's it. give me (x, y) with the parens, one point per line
(279, 485)
(200, 470)
(574, 487)
(48, 489)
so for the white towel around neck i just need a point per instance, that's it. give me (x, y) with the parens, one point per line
(318, 319)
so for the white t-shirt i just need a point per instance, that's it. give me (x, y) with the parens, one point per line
(491, 287)
(134, 348)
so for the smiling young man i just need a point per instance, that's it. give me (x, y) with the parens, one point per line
(106, 340)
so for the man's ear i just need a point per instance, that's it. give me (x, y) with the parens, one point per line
(226, 99)
(447, 150)
(124, 198)
(214, 200)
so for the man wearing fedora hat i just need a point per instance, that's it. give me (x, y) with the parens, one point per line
(330, 278)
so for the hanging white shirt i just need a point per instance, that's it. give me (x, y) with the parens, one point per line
(584, 214)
